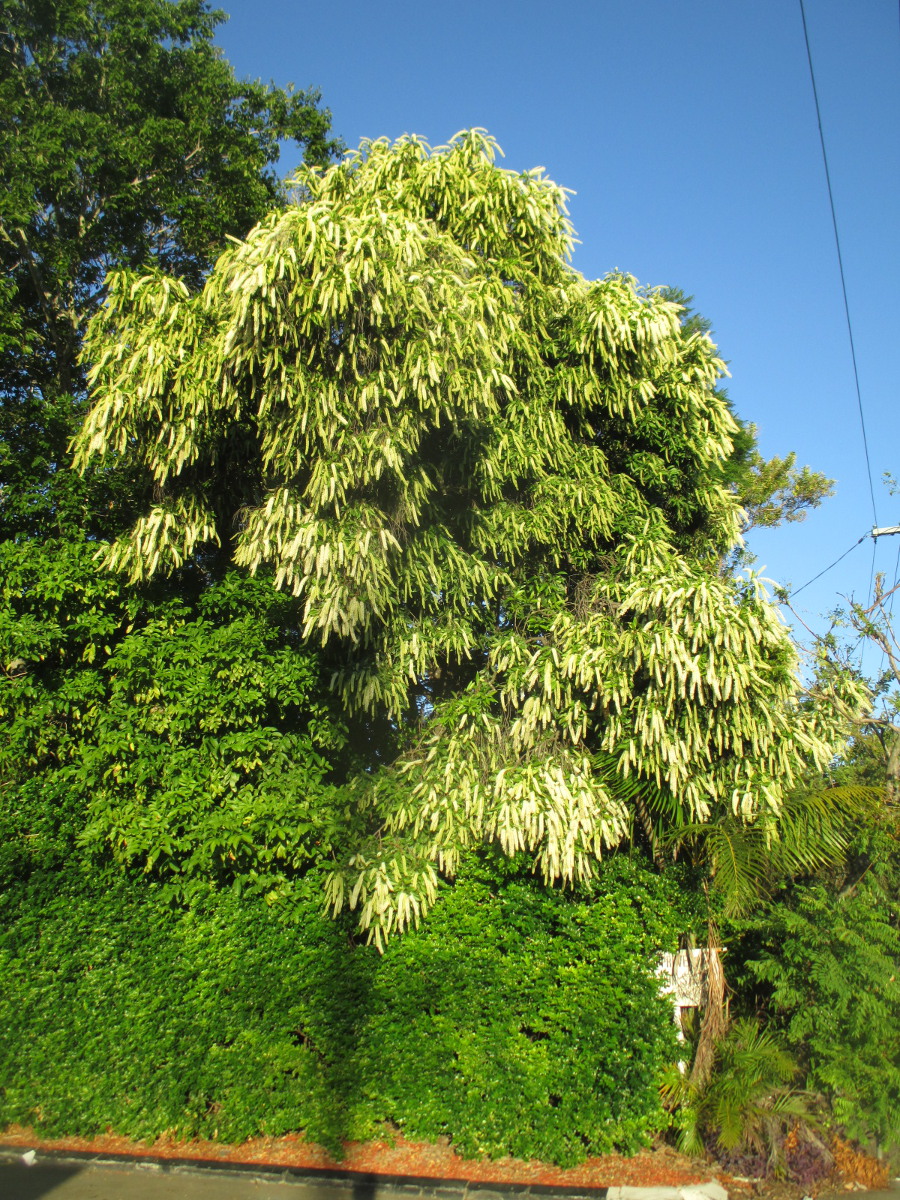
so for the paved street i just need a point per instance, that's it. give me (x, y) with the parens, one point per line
(76, 1181)
(72, 1180)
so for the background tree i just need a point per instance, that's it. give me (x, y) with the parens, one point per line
(775, 490)
(875, 624)
(125, 139)
(809, 903)
(744, 865)
(497, 489)
(818, 953)
(821, 960)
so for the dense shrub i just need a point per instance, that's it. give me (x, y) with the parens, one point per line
(523, 1021)
(829, 966)
(517, 1020)
(180, 734)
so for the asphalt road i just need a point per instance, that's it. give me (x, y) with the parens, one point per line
(72, 1180)
(78, 1181)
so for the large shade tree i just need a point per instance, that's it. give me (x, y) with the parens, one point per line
(125, 139)
(499, 490)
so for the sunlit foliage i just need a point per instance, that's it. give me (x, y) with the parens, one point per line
(498, 490)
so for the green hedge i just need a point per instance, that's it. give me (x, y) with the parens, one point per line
(518, 1020)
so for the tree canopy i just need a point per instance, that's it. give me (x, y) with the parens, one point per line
(497, 488)
(138, 722)
(181, 734)
(501, 506)
(125, 139)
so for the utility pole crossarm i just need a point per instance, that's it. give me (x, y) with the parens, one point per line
(887, 529)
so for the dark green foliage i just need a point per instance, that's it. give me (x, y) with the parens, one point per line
(822, 957)
(182, 729)
(121, 1012)
(59, 621)
(125, 139)
(183, 735)
(830, 966)
(526, 1022)
(519, 1019)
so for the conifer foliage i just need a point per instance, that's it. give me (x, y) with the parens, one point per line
(497, 488)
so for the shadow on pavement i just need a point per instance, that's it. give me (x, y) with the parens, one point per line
(365, 1190)
(19, 1182)
(146, 1181)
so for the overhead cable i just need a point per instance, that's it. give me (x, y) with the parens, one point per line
(875, 533)
(828, 568)
(837, 242)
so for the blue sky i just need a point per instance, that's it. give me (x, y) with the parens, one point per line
(688, 132)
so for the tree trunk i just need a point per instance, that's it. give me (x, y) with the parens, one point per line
(714, 1022)
(892, 769)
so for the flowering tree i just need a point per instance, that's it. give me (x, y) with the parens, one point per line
(498, 489)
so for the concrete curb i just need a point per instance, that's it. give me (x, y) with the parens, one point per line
(695, 1191)
(361, 1185)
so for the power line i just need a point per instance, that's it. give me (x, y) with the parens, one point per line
(837, 242)
(828, 568)
(864, 641)
(874, 533)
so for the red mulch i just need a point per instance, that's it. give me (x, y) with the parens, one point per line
(650, 1168)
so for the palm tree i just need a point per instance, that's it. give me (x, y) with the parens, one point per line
(744, 863)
